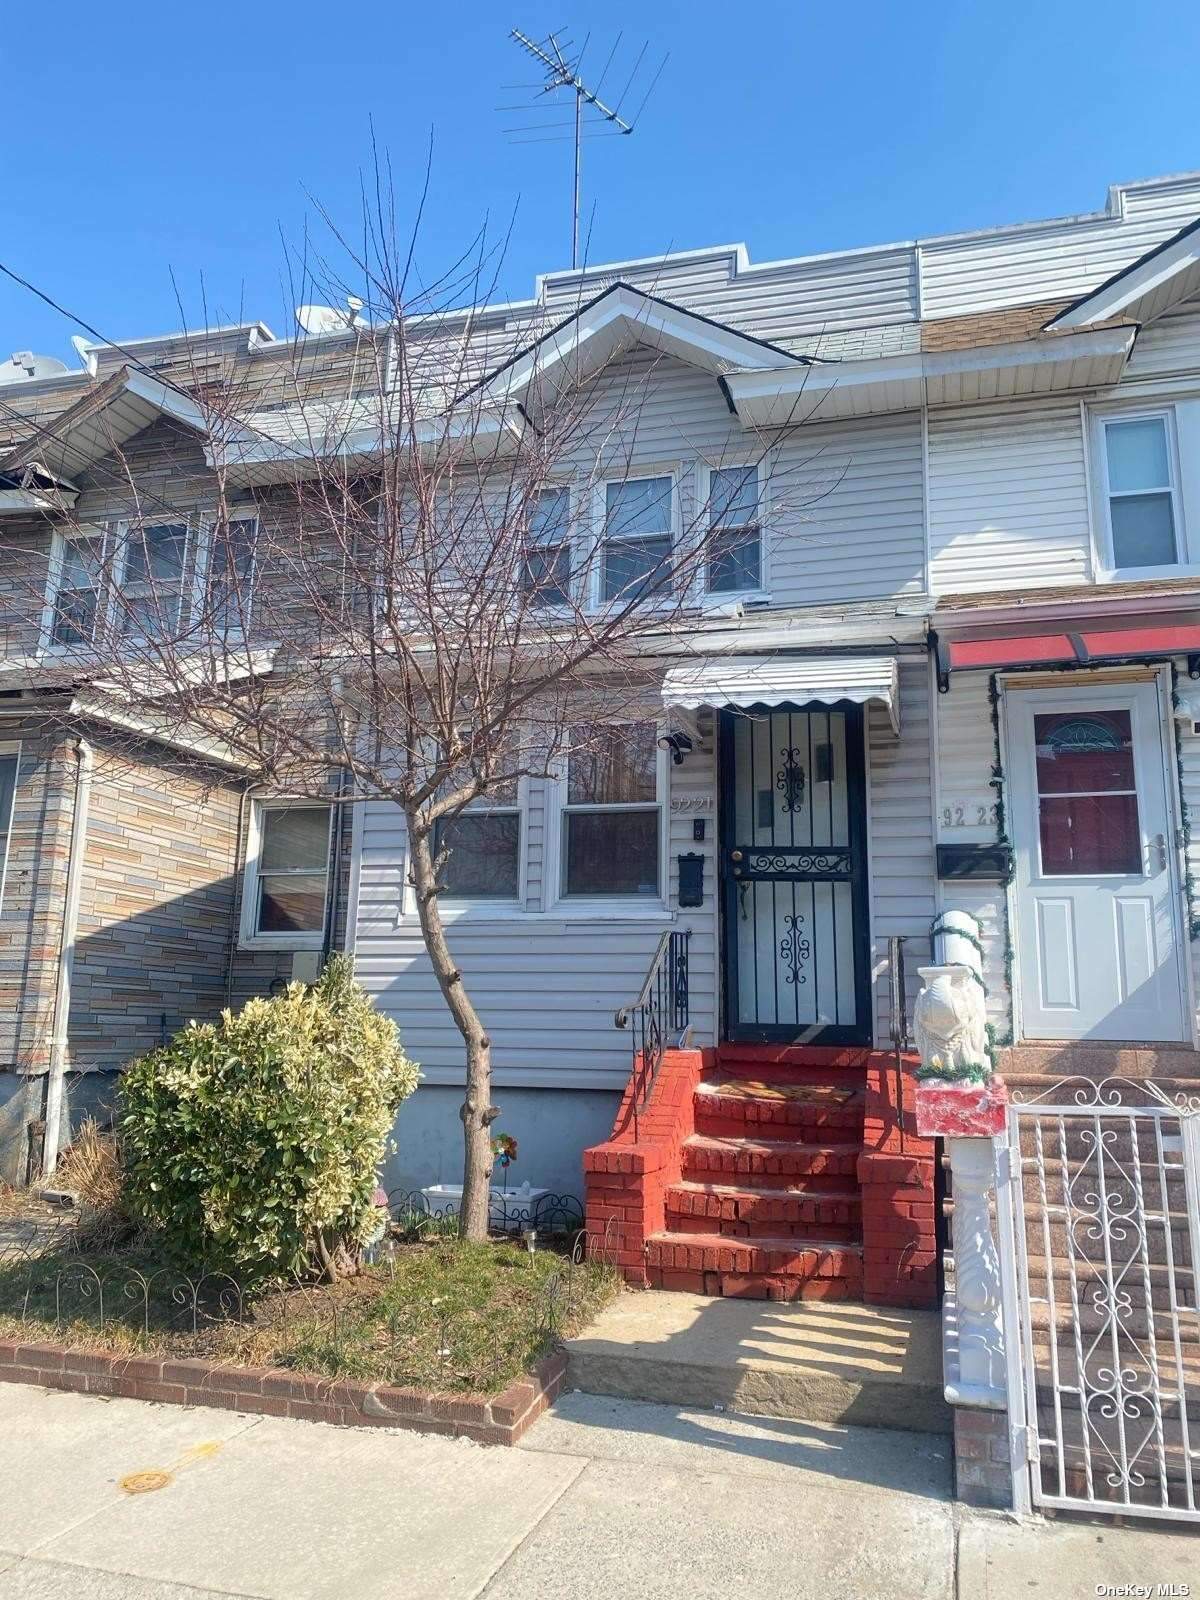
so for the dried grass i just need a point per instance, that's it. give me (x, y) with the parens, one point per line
(91, 1168)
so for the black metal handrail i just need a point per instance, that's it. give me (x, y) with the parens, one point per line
(658, 1017)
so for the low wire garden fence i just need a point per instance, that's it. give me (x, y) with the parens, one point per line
(422, 1309)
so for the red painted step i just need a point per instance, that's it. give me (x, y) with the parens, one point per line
(792, 1213)
(813, 1111)
(762, 1163)
(766, 1269)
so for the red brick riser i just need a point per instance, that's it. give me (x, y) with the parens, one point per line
(279, 1392)
(717, 1190)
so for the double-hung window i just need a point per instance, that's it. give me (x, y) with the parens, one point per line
(546, 570)
(9, 764)
(287, 874)
(230, 575)
(77, 582)
(638, 518)
(611, 821)
(483, 849)
(1142, 491)
(151, 587)
(733, 542)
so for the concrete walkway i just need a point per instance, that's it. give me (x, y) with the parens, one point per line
(829, 1360)
(118, 1500)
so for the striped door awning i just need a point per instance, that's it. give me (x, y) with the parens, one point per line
(742, 682)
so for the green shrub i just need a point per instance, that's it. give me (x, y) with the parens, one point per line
(252, 1144)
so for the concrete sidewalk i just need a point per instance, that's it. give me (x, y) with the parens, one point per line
(119, 1500)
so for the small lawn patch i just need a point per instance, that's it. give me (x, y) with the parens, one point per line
(441, 1315)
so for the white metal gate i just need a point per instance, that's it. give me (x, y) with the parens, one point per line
(1099, 1193)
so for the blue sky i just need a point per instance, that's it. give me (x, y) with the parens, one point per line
(143, 139)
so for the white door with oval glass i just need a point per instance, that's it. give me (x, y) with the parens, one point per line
(1098, 941)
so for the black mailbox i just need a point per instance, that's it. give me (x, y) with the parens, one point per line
(691, 879)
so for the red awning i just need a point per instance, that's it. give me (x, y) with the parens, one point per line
(1087, 645)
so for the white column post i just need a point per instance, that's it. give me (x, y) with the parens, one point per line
(981, 1376)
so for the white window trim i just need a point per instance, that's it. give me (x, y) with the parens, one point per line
(730, 596)
(1109, 572)
(249, 938)
(480, 908)
(10, 748)
(621, 907)
(594, 564)
(571, 543)
(202, 568)
(58, 547)
(121, 535)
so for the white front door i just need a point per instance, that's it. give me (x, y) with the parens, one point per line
(1098, 944)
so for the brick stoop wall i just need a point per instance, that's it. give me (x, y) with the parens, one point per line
(278, 1392)
(769, 1198)
(895, 1171)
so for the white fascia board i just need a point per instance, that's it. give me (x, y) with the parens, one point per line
(900, 383)
(199, 746)
(263, 460)
(15, 502)
(171, 402)
(1138, 281)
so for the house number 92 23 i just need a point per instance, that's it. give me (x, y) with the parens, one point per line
(969, 814)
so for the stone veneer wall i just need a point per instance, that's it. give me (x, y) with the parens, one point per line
(158, 919)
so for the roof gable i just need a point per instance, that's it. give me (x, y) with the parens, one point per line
(614, 321)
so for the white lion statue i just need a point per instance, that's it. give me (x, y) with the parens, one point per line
(950, 1021)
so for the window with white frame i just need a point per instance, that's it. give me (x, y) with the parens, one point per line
(483, 848)
(733, 542)
(9, 764)
(230, 577)
(77, 572)
(151, 586)
(287, 874)
(638, 516)
(1141, 490)
(546, 570)
(611, 818)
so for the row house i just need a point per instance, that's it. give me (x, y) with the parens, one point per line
(951, 662)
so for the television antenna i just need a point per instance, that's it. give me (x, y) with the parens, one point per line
(562, 65)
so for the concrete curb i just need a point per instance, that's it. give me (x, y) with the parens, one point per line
(278, 1392)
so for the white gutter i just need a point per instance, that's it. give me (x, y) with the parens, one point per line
(66, 961)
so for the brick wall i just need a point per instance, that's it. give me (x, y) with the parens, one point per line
(896, 1173)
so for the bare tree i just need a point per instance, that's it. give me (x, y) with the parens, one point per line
(417, 581)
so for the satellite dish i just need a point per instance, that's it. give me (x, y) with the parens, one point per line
(328, 319)
(23, 366)
(322, 319)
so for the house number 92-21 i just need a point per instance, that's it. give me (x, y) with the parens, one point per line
(969, 814)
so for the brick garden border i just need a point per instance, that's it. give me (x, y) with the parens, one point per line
(278, 1392)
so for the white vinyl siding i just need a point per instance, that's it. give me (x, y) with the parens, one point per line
(965, 814)
(1055, 260)
(842, 503)
(1008, 502)
(900, 828)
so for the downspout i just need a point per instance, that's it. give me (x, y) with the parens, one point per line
(84, 758)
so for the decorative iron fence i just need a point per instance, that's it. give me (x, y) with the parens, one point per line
(658, 1016)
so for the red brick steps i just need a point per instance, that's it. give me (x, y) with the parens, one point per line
(761, 1163)
(771, 1172)
(766, 1269)
(736, 1212)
